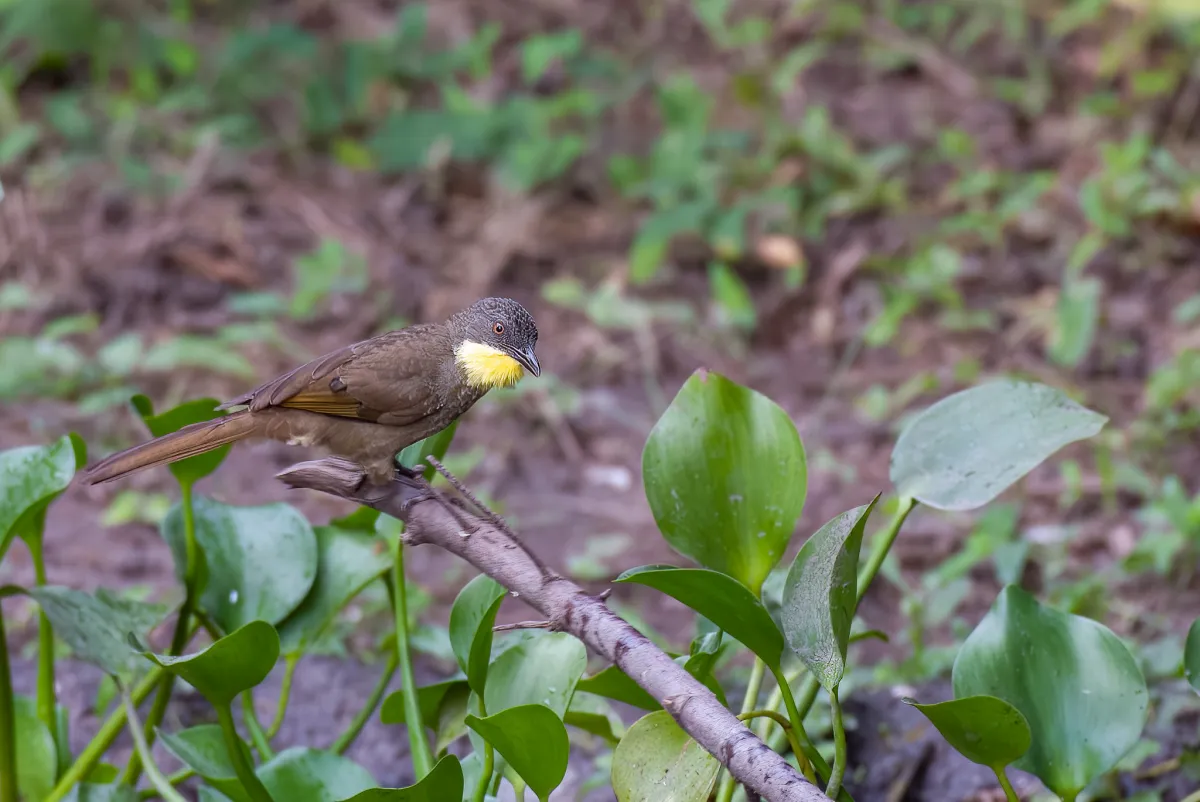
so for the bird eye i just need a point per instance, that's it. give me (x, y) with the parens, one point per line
(498, 328)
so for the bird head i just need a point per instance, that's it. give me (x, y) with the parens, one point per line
(497, 341)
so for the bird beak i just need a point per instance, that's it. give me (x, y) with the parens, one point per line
(529, 361)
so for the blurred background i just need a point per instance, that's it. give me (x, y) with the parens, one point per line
(855, 208)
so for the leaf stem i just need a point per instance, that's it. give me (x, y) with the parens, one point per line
(1011, 795)
(182, 634)
(8, 725)
(810, 760)
(749, 702)
(257, 736)
(160, 783)
(489, 761)
(285, 694)
(47, 702)
(422, 757)
(839, 746)
(360, 720)
(241, 767)
(785, 727)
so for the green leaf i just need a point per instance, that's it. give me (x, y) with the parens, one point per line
(533, 740)
(236, 662)
(656, 233)
(821, 594)
(596, 715)
(97, 628)
(1191, 655)
(539, 52)
(429, 698)
(719, 598)
(541, 670)
(31, 477)
(261, 560)
(656, 755)
(444, 783)
(436, 446)
(203, 749)
(726, 477)
(313, 775)
(1075, 682)
(471, 620)
(347, 561)
(966, 449)
(192, 469)
(1075, 326)
(984, 729)
(614, 683)
(36, 754)
(95, 792)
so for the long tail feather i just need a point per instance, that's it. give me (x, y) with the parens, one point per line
(187, 442)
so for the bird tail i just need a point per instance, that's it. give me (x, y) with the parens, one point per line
(193, 439)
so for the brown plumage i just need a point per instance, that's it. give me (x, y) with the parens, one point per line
(366, 401)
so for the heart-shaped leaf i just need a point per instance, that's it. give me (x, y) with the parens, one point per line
(313, 775)
(347, 561)
(726, 477)
(594, 714)
(656, 755)
(235, 663)
(1076, 683)
(31, 477)
(1191, 655)
(541, 670)
(203, 749)
(97, 628)
(261, 561)
(968, 448)
(533, 741)
(36, 754)
(436, 446)
(94, 792)
(430, 699)
(614, 683)
(192, 469)
(983, 729)
(721, 599)
(443, 783)
(821, 594)
(471, 620)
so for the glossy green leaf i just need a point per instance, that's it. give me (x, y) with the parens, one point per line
(96, 792)
(533, 741)
(203, 749)
(97, 628)
(313, 775)
(968, 448)
(429, 698)
(36, 754)
(261, 561)
(192, 469)
(31, 477)
(657, 761)
(236, 662)
(594, 714)
(471, 620)
(541, 670)
(613, 683)
(347, 561)
(721, 599)
(1075, 682)
(821, 594)
(444, 783)
(1191, 655)
(726, 477)
(984, 729)
(436, 446)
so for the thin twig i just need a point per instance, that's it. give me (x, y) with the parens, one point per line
(523, 625)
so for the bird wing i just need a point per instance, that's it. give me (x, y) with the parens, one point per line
(389, 379)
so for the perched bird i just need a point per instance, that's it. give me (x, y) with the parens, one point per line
(367, 401)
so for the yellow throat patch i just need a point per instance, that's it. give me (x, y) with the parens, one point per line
(487, 367)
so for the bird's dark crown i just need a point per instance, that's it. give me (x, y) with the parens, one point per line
(501, 323)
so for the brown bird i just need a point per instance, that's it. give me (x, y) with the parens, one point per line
(367, 401)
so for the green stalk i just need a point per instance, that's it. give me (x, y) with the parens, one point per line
(8, 725)
(808, 752)
(785, 726)
(285, 693)
(360, 720)
(181, 636)
(1011, 795)
(519, 790)
(241, 767)
(749, 702)
(257, 736)
(47, 702)
(422, 757)
(174, 779)
(160, 783)
(100, 744)
(839, 747)
(489, 761)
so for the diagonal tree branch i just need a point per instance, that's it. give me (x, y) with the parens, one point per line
(431, 517)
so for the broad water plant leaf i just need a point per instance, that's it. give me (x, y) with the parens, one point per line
(36, 753)
(726, 477)
(186, 471)
(98, 792)
(31, 477)
(541, 670)
(471, 620)
(821, 594)
(239, 661)
(657, 761)
(203, 749)
(968, 448)
(983, 729)
(721, 599)
(261, 561)
(533, 740)
(429, 698)
(1077, 685)
(443, 783)
(347, 561)
(613, 683)
(313, 775)
(1191, 655)
(594, 714)
(436, 446)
